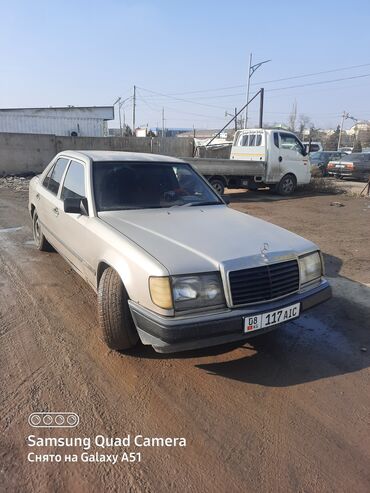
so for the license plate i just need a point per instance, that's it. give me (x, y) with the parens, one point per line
(340, 166)
(271, 318)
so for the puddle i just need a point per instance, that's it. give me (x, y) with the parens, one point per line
(10, 230)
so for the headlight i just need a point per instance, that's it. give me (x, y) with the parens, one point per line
(310, 267)
(187, 292)
(197, 291)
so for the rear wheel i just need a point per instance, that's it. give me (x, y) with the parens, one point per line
(41, 242)
(218, 185)
(116, 325)
(287, 185)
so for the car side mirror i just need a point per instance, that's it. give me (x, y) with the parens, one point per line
(76, 206)
(226, 199)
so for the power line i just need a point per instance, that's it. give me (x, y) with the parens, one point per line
(181, 99)
(307, 84)
(319, 82)
(270, 81)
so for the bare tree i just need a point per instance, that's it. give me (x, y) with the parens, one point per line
(303, 123)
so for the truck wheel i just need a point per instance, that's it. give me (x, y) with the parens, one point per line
(41, 242)
(116, 325)
(287, 185)
(218, 185)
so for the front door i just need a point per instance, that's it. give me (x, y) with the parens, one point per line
(292, 158)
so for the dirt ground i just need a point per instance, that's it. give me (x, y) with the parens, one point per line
(287, 412)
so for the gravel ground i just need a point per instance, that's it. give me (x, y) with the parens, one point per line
(286, 412)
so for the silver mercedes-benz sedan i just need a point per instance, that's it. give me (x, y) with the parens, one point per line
(173, 266)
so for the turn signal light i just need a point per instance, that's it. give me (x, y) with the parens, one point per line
(160, 292)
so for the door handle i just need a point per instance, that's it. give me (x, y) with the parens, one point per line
(38, 196)
(56, 211)
(280, 159)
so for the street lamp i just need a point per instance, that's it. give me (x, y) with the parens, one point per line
(120, 102)
(252, 69)
(345, 116)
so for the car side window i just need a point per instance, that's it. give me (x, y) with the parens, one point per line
(290, 142)
(276, 139)
(74, 182)
(250, 140)
(52, 182)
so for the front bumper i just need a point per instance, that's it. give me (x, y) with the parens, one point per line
(173, 334)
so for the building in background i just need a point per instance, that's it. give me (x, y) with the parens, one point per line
(361, 131)
(81, 121)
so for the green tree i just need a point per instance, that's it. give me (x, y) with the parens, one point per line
(357, 147)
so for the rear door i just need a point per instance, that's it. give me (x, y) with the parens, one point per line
(48, 203)
(292, 158)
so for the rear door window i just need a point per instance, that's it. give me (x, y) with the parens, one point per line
(74, 182)
(54, 177)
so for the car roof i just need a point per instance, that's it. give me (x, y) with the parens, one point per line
(120, 156)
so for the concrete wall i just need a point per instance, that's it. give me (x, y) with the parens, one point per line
(30, 153)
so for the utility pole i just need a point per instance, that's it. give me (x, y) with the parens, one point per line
(236, 120)
(251, 70)
(345, 116)
(248, 86)
(134, 112)
(162, 122)
(262, 94)
(118, 103)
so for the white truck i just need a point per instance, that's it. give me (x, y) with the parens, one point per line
(259, 157)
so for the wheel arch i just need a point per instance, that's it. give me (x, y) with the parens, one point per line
(121, 268)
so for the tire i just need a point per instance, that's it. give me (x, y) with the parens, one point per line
(218, 185)
(42, 243)
(287, 185)
(117, 327)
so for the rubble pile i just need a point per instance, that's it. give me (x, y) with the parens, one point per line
(18, 183)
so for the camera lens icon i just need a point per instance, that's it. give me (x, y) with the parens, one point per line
(35, 419)
(59, 420)
(53, 420)
(47, 420)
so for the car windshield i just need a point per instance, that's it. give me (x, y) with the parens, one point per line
(147, 185)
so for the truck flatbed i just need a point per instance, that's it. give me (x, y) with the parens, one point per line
(230, 167)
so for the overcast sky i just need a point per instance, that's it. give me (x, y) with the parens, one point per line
(86, 53)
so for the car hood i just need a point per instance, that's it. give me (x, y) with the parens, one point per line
(205, 238)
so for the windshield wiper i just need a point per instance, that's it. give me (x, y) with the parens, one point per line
(191, 204)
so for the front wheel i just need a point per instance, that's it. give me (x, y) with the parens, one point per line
(116, 325)
(287, 185)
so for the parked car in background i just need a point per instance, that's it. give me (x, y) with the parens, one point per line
(312, 146)
(346, 150)
(319, 161)
(172, 264)
(355, 166)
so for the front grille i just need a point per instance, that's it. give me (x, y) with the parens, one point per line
(264, 283)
